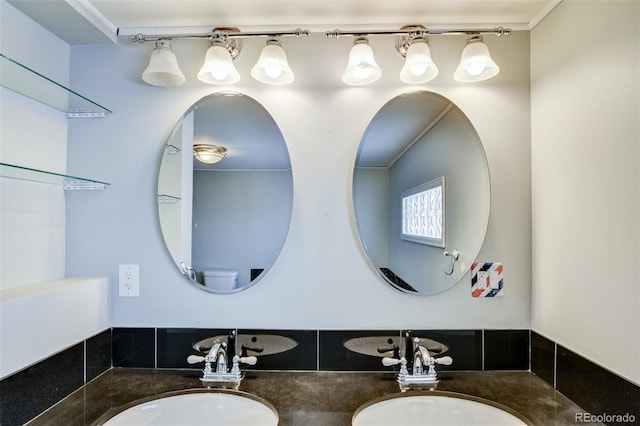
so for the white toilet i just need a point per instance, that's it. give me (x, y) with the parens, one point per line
(220, 279)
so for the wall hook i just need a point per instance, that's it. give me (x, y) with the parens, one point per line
(454, 257)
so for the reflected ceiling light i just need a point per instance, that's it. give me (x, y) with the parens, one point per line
(208, 153)
(218, 65)
(418, 66)
(362, 68)
(475, 63)
(272, 66)
(163, 69)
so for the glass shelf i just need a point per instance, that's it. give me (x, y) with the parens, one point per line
(69, 183)
(167, 199)
(170, 149)
(24, 80)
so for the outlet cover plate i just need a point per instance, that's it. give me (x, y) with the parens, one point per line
(129, 280)
(486, 279)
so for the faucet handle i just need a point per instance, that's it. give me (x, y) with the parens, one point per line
(445, 360)
(194, 359)
(388, 362)
(249, 360)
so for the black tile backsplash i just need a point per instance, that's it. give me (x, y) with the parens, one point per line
(465, 347)
(334, 356)
(596, 389)
(506, 349)
(543, 355)
(29, 392)
(274, 350)
(176, 344)
(134, 347)
(98, 354)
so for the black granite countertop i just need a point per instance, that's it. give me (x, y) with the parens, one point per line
(312, 398)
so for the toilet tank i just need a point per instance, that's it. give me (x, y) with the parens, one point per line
(220, 279)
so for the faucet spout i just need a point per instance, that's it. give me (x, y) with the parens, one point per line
(421, 358)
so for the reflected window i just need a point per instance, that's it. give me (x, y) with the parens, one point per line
(423, 213)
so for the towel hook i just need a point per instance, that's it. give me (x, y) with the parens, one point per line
(454, 257)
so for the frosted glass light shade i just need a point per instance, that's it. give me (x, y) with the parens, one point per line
(418, 66)
(362, 68)
(272, 66)
(475, 63)
(218, 67)
(163, 69)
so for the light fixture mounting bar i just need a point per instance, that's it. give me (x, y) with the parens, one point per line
(417, 30)
(219, 33)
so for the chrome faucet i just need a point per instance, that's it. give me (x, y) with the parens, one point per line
(216, 369)
(419, 369)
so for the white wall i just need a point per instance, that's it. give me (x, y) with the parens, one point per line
(32, 215)
(322, 278)
(40, 312)
(586, 185)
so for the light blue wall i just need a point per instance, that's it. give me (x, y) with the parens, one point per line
(450, 149)
(240, 219)
(322, 278)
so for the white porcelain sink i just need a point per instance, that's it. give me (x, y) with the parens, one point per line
(197, 407)
(435, 408)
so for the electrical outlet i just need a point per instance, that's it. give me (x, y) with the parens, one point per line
(129, 280)
(483, 279)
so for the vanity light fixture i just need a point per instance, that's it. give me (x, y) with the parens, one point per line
(208, 153)
(475, 65)
(272, 66)
(163, 69)
(361, 68)
(475, 62)
(218, 65)
(418, 66)
(225, 46)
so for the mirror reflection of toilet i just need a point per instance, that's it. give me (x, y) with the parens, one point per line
(220, 279)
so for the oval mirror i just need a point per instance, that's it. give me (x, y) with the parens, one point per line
(421, 193)
(225, 193)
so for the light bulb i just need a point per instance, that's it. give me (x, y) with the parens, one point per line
(475, 69)
(273, 71)
(418, 69)
(219, 74)
(362, 71)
